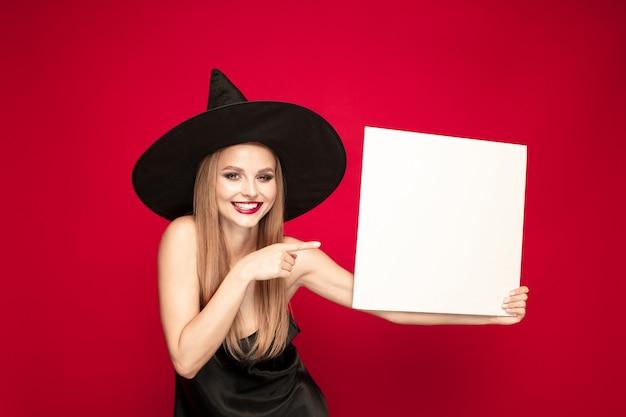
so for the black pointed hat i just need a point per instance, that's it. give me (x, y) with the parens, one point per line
(312, 156)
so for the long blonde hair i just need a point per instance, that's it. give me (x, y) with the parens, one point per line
(213, 265)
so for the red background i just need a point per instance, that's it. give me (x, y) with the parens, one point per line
(87, 87)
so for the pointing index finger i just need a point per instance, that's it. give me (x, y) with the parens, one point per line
(295, 247)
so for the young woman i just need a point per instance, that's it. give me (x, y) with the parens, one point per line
(226, 270)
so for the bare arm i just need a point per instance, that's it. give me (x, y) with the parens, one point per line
(193, 336)
(514, 304)
(320, 274)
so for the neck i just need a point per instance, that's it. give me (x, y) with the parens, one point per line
(240, 242)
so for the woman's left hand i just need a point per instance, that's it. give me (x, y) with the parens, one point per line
(514, 304)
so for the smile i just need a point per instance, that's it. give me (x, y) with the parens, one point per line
(249, 207)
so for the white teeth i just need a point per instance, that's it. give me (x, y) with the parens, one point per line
(247, 206)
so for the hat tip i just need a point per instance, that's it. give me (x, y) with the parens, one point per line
(222, 91)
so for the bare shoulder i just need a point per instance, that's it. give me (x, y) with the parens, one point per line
(181, 228)
(317, 272)
(289, 239)
(307, 260)
(304, 253)
(178, 281)
(179, 235)
(177, 260)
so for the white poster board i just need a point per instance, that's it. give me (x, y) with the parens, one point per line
(440, 223)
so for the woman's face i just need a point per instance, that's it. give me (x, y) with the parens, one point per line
(245, 185)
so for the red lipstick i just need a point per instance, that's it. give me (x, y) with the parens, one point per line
(247, 207)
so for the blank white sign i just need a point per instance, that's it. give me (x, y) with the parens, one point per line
(440, 223)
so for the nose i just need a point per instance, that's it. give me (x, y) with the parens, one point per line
(249, 188)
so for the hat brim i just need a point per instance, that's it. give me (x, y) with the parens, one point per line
(312, 156)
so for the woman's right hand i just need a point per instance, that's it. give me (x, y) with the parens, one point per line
(274, 261)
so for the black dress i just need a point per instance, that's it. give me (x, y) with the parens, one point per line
(226, 387)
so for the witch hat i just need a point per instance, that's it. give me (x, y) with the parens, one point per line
(310, 151)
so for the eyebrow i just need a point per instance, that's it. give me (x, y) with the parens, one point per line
(237, 169)
(231, 168)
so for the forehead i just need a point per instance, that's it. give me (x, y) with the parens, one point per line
(247, 154)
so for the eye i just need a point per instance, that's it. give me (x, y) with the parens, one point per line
(265, 178)
(231, 176)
